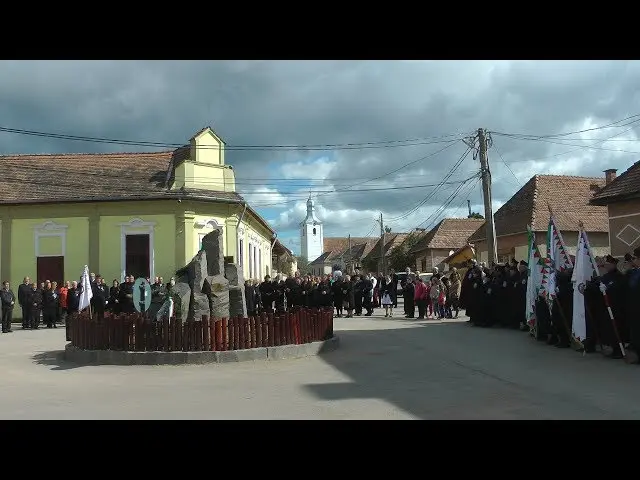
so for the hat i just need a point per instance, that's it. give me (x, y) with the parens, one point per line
(611, 260)
(523, 263)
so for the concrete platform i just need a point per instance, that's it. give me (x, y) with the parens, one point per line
(113, 357)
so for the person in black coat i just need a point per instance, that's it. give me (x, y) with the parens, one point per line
(34, 300)
(114, 293)
(632, 312)
(49, 305)
(338, 296)
(614, 283)
(250, 298)
(347, 296)
(408, 295)
(101, 297)
(125, 298)
(267, 294)
(323, 293)
(357, 294)
(23, 292)
(562, 310)
(367, 295)
(7, 302)
(394, 290)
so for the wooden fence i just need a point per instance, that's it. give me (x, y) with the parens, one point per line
(135, 332)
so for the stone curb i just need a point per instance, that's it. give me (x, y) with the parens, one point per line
(113, 357)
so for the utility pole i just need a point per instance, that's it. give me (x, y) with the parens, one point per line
(469, 205)
(486, 193)
(382, 242)
(349, 264)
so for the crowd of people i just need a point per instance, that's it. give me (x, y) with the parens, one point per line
(50, 304)
(497, 296)
(358, 294)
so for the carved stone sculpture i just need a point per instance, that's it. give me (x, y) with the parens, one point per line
(201, 286)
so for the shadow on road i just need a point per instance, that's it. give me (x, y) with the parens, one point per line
(55, 359)
(439, 370)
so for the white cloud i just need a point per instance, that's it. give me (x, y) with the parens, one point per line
(264, 195)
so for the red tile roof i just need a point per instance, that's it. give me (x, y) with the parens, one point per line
(99, 177)
(568, 197)
(450, 233)
(623, 187)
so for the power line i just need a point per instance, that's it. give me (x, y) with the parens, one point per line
(428, 197)
(555, 135)
(291, 147)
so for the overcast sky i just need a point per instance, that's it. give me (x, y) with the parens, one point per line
(327, 103)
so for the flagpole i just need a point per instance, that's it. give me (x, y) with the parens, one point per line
(606, 301)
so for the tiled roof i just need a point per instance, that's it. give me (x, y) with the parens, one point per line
(342, 243)
(623, 186)
(450, 233)
(360, 246)
(568, 197)
(393, 240)
(74, 178)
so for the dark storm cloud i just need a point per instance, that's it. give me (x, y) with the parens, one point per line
(303, 103)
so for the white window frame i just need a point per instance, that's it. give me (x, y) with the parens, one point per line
(50, 229)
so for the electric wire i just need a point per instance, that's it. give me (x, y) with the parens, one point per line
(291, 147)
(432, 194)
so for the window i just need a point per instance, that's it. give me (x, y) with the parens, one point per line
(303, 232)
(241, 253)
(255, 262)
(314, 230)
(259, 263)
(250, 261)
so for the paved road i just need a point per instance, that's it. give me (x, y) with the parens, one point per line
(385, 369)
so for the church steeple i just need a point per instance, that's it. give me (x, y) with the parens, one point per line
(311, 234)
(311, 213)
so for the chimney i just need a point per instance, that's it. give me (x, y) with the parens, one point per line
(610, 175)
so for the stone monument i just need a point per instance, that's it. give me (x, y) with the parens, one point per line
(205, 285)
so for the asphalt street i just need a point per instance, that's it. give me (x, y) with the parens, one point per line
(386, 368)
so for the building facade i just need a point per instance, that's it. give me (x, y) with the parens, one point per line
(569, 199)
(141, 214)
(621, 197)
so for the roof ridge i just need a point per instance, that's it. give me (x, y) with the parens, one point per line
(163, 152)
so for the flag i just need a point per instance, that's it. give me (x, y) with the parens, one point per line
(87, 294)
(557, 259)
(583, 271)
(535, 278)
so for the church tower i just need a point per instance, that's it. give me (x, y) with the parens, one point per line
(311, 235)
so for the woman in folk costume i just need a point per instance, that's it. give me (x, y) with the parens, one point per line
(387, 298)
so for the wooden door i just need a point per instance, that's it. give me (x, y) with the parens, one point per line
(137, 255)
(50, 268)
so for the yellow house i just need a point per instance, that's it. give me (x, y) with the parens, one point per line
(141, 214)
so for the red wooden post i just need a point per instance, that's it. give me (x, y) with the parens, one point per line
(277, 330)
(225, 334)
(241, 332)
(211, 326)
(252, 331)
(166, 339)
(264, 323)
(232, 334)
(246, 325)
(258, 327)
(218, 334)
(236, 333)
(268, 330)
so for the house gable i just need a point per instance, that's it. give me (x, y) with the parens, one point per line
(623, 187)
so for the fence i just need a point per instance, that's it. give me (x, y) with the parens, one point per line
(135, 332)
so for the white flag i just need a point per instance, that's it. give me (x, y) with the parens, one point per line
(535, 278)
(87, 294)
(582, 272)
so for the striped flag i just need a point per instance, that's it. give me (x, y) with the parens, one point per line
(557, 259)
(535, 278)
